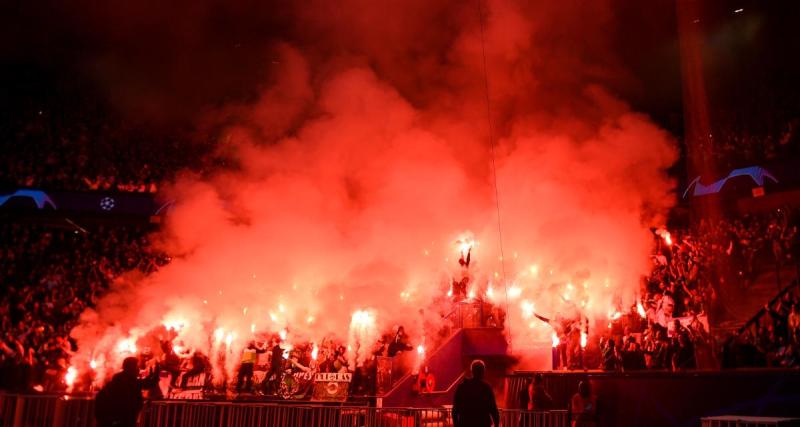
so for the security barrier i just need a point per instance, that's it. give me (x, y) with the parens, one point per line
(517, 418)
(188, 413)
(66, 411)
(742, 421)
(45, 411)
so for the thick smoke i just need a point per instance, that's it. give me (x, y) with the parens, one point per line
(367, 155)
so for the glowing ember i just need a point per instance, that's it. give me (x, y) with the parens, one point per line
(174, 324)
(465, 245)
(362, 319)
(219, 334)
(252, 328)
(640, 309)
(665, 235)
(287, 351)
(310, 319)
(70, 376)
(126, 345)
(527, 309)
(363, 332)
(534, 269)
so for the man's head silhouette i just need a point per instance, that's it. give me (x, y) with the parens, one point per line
(478, 368)
(130, 365)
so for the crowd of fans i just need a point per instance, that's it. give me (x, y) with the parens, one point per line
(736, 145)
(772, 339)
(51, 274)
(750, 124)
(58, 147)
(692, 267)
(48, 276)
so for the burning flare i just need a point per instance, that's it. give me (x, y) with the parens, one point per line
(640, 309)
(70, 376)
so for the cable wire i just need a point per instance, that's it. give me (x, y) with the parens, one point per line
(494, 169)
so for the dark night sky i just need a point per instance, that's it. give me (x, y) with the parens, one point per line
(172, 63)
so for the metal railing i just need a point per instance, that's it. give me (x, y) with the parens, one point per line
(208, 414)
(744, 421)
(518, 418)
(45, 411)
(66, 411)
(754, 321)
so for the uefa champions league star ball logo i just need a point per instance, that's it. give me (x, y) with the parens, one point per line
(107, 203)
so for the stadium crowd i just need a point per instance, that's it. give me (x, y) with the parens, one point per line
(48, 276)
(692, 267)
(57, 146)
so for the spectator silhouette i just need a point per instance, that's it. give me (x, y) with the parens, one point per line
(524, 396)
(474, 404)
(119, 402)
(583, 406)
(540, 399)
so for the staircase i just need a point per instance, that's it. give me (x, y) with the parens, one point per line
(740, 304)
(448, 363)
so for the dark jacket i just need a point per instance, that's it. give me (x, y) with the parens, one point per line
(474, 405)
(541, 400)
(276, 362)
(119, 402)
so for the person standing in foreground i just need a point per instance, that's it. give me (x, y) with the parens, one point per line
(539, 399)
(474, 403)
(583, 407)
(118, 403)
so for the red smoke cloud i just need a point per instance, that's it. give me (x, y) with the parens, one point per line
(366, 156)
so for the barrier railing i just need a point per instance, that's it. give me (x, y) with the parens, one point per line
(185, 414)
(744, 421)
(45, 411)
(518, 418)
(66, 411)
(763, 311)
